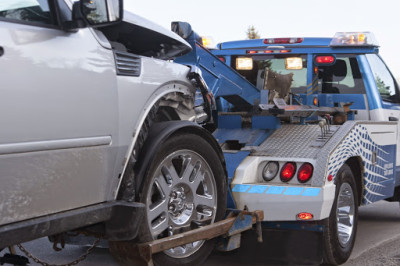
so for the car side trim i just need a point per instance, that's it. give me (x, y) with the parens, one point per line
(54, 145)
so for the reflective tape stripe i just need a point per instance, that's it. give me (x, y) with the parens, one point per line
(277, 190)
(258, 189)
(241, 188)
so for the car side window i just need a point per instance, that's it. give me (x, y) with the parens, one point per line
(35, 11)
(383, 79)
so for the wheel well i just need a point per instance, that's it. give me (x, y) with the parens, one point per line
(161, 111)
(176, 106)
(166, 113)
(356, 166)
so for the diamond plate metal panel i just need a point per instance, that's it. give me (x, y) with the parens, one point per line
(294, 141)
(298, 141)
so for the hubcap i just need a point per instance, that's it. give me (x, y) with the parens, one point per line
(180, 205)
(345, 214)
(183, 196)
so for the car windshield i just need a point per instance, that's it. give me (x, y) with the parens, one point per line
(19, 4)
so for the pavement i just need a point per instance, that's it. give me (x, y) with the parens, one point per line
(378, 232)
(377, 243)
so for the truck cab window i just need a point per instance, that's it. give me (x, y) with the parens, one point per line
(36, 11)
(383, 79)
(275, 68)
(342, 77)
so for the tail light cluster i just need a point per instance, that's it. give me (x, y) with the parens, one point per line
(287, 171)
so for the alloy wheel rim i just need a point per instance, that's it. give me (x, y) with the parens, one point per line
(345, 214)
(183, 196)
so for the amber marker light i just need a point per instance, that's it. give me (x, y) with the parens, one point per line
(315, 101)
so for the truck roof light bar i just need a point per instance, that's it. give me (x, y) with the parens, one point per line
(283, 40)
(354, 39)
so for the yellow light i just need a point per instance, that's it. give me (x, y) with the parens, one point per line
(354, 38)
(361, 38)
(207, 42)
(244, 63)
(294, 63)
(315, 101)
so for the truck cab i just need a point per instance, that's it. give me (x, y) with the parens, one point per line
(333, 71)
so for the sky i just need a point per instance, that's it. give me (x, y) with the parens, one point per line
(224, 20)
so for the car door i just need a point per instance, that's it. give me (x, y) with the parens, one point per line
(388, 96)
(389, 93)
(58, 113)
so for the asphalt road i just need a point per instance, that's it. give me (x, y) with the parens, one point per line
(377, 243)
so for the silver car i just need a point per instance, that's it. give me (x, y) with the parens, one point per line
(98, 126)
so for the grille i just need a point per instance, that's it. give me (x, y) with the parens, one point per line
(127, 64)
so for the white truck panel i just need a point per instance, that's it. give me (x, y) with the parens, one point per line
(373, 142)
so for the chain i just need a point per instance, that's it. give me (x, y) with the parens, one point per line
(81, 258)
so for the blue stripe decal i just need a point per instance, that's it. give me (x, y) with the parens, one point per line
(241, 188)
(311, 192)
(275, 190)
(258, 189)
(294, 191)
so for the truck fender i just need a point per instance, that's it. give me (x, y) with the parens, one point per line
(158, 133)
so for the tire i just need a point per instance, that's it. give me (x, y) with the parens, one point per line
(185, 187)
(127, 191)
(341, 226)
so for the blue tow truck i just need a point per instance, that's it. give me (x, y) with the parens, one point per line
(308, 126)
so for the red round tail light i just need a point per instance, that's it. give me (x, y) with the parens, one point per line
(288, 171)
(305, 172)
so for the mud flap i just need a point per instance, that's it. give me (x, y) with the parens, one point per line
(280, 246)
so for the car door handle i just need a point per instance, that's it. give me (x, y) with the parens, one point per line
(392, 118)
(1, 51)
